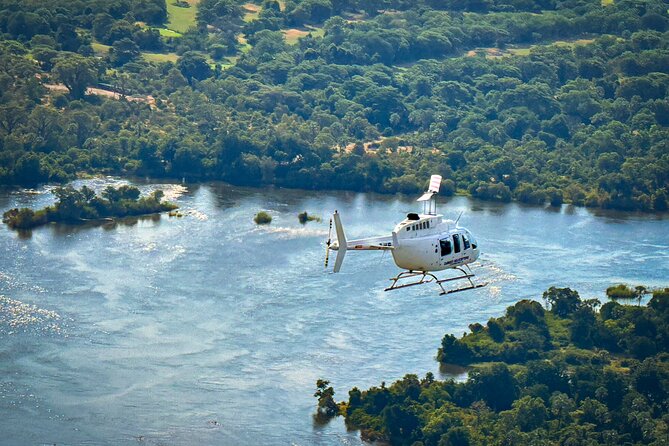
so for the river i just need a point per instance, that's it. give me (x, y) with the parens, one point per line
(208, 329)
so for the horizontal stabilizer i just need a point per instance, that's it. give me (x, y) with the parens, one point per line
(435, 184)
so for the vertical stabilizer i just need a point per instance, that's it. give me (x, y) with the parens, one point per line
(341, 242)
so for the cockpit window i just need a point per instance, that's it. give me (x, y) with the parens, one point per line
(445, 247)
(465, 241)
(456, 242)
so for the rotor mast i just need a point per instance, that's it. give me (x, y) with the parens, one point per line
(429, 198)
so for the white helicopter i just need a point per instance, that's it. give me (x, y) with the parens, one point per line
(420, 244)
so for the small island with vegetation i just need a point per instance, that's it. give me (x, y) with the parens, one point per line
(304, 218)
(79, 205)
(262, 218)
(567, 375)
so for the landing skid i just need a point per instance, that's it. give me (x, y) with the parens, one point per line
(427, 277)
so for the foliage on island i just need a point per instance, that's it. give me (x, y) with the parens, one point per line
(304, 217)
(623, 291)
(567, 376)
(542, 101)
(262, 218)
(77, 205)
(327, 406)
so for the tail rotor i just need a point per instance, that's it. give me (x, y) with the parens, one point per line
(328, 243)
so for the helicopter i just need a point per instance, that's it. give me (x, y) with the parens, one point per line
(421, 245)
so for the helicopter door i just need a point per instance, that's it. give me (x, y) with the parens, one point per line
(465, 241)
(456, 243)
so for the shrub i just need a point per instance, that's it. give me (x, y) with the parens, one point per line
(303, 217)
(262, 218)
(620, 291)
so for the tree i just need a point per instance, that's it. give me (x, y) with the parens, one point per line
(29, 170)
(327, 407)
(194, 66)
(563, 301)
(123, 51)
(83, 124)
(493, 384)
(530, 413)
(76, 73)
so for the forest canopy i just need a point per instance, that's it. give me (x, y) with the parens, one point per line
(540, 101)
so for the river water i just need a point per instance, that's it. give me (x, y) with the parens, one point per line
(208, 329)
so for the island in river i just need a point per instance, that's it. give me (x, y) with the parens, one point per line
(77, 205)
(555, 375)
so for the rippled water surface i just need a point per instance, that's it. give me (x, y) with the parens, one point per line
(208, 329)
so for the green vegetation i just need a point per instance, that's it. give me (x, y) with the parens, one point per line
(346, 94)
(327, 407)
(303, 217)
(160, 57)
(181, 15)
(568, 376)
(623, 291)
(77, 205)
(169, 33)
(262, 218)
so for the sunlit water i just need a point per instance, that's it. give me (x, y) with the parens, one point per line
(208, 329)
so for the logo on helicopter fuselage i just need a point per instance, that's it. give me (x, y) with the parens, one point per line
(456, 261)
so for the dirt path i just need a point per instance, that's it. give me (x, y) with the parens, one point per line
(106, 93)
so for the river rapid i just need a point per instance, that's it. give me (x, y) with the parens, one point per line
(209, 329)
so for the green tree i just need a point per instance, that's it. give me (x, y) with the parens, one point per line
(76, 73)
(194, 66)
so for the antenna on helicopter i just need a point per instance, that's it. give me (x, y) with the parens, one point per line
(428, 198)
(456, 221)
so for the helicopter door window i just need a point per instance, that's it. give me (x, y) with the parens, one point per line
(445, 247)
(465, 241)
(456, 242)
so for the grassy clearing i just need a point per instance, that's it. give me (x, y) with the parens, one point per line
(168, 32)
(160, 57)
(245, 47)
(525, 51)
(607, 2)
(519, 51)
(251, 11)
(292, 35)
(228, 62)
(181, 19)
(100, 49)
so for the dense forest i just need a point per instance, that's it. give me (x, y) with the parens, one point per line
(543, 101)
(566, 375)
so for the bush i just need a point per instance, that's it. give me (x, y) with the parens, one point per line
(262, 218)
(620, 291)
(303, 217)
